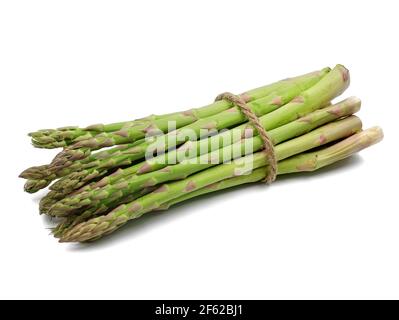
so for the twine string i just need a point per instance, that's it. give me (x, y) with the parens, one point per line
(254, 120)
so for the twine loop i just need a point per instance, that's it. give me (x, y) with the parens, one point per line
(254, 120)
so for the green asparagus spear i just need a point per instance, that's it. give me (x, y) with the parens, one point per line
(270, 101)
(318, 95)
(330, 132)
(195, 115)
(53, 171)
(74, 220)
(278, 135)
(104, 225)
(309, 161)
(63, 137)
(108, 192)
(312, 161)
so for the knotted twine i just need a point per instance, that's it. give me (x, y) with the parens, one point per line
(254, 120)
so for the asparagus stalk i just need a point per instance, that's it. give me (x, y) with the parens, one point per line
(309, 161)
(331, 132)
(49, 200)
(278, 135)
(40, 177)
(185, 118)
(323, 136)
(312, 161)
(310, 100)
(256, 176)
(63, 137)
(273, 96)
(55, 171)
(74, 220)
(96, 196)
(53, 197)
(104, 225)
(331, 85)
(82, 149)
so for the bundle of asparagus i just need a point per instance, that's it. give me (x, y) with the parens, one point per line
(153, 163)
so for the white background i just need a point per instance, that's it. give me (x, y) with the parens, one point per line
(333, 234)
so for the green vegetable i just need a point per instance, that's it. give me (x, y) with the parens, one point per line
(148, 165)
(104, 225)
(309, 100)
(219, 114)
(109, 192)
